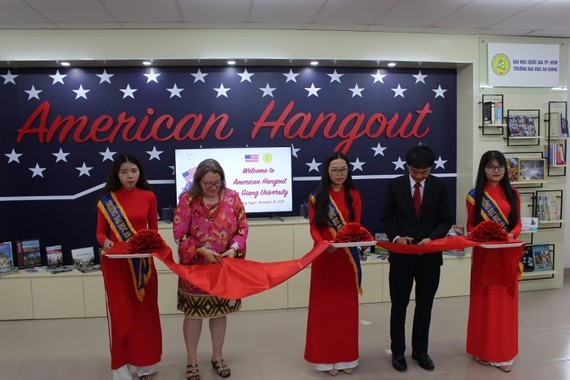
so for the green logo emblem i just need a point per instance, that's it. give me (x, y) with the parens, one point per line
(501, 64)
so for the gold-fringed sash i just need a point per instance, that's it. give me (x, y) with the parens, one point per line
(336, 222)
(489, 209)
(123, 230)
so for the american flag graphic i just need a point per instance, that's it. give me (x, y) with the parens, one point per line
(252, 158)
(60, 129)
(189, 174)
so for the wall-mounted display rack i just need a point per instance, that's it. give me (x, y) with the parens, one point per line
(523, 127)
(538, 261)
(526, 169)
(556, 138)
(492, 115)
(548, 208)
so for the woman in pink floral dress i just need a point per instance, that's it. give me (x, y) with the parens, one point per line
(209, 224)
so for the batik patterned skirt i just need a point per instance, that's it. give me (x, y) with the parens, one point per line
(205, 305)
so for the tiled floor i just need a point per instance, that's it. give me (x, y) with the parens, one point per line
(269, 345)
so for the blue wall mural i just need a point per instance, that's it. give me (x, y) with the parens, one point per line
(60, 129)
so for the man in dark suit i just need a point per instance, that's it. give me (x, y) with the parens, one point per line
(414, 214)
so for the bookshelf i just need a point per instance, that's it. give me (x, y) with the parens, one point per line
(539, 258)
(529, 150)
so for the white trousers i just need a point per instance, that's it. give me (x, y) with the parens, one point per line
(339, 366)
(498, 364)
(124, 373)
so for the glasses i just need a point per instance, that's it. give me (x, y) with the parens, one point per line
(336, 171)
(493, 168)
(212, 184)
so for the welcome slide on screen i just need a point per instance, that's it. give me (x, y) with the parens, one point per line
(261, 176)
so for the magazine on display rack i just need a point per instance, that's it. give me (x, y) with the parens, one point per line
(84, 259)
(29, 255)
(6, 259)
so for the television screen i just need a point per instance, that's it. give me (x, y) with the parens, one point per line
(261, 176)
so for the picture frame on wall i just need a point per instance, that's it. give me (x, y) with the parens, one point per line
(522, 125)
(532, 169)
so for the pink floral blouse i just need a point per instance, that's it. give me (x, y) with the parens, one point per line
(219, 229)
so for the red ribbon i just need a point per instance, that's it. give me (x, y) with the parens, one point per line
(237, 278)
(438, 245)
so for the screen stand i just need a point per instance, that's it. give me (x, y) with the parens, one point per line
(273, 216)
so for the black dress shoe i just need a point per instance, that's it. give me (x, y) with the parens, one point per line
(423, 360)
(399, 363)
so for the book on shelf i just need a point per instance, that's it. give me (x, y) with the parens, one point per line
(456, 230)
(558, 154)
(554, 124)
(492, 113)
(521, 126)
(561, 155)
(498, 115)
(548, 207)
(513, 168)
(529, 224)
(28, 253)
(84, 259)
(540, 208)
(488, 113)
(34, 269)
(380, 252)
(5, 273)
(553, 207)
(59, 269)
(527, 259)
(54, 255)
(543, 257)
(6, 258)
(55, 265)
(555, 153)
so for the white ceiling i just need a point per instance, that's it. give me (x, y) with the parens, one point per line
(536, 18)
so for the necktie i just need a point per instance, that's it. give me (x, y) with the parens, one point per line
(417, 198)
